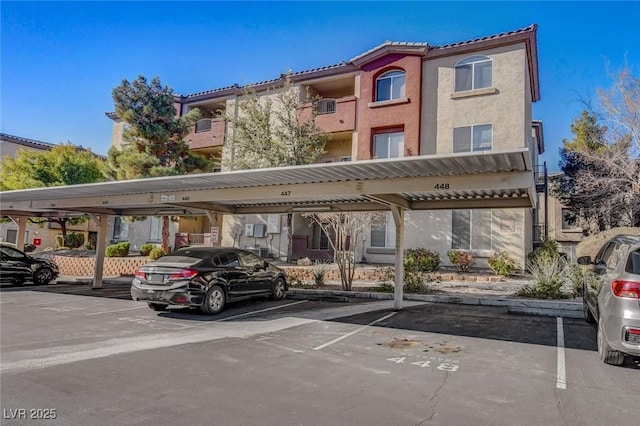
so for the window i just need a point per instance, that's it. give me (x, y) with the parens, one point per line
(155, 232)
(569, 219)
(203, 125)
(345, 158)
(383, 233)
(319, 239)
(473, 138)
(390, 85)
(120, 229)
(471, 230)
(388, 145)
(250, 260)
(227, 260)
(473, 73)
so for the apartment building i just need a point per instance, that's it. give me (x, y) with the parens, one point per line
(397, 99)
(43, 235)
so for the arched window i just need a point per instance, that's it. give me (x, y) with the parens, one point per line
(390, 85)
(474, 72)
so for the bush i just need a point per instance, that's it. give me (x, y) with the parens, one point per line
(462, 259)
(318, 272)
(89, 245)
(118, 250)
(421, 259)
(548, 273)
(579, 278)
(156, 253)
(145, 249)
(502, 264)
(74, 240)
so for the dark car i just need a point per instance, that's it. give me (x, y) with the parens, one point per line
(614, 301)
(208, 278)
(17, 267)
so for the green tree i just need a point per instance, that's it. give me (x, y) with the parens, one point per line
(270, 131)
(65, 164)
(601, 166)
(154, 136)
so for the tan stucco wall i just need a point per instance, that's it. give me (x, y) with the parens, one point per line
(116, 134)
(507, 109)
(432, 230)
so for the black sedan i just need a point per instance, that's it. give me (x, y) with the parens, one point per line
(17, 267)
(208, 278)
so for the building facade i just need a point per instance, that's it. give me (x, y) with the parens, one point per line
(397, 99)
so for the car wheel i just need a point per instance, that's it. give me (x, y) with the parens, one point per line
(606, 354)
(158, 306)
(586, 312)
(42, 276)
(215, 300)
(278, 290)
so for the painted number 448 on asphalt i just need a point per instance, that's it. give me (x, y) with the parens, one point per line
(445, 366)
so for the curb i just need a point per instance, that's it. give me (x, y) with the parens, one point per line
(554, 308)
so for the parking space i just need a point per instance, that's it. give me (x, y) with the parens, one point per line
(114, 361)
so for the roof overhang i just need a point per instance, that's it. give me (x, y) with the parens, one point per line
(489, 179)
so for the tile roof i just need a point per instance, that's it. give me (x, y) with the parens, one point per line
(487, 38)
(26, 142)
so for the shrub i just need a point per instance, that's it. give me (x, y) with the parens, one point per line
(462, 259)
(155, 253)
(74, 240)
(502, 264)
(579, 278)
(318, 272)
(117, 250)
(89, 245)
(547, 273)
(548, 249)
(421, 259)
(145, 249)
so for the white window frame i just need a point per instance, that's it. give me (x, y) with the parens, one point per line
(471, 142)
(389, 228)
(473, 61)
(393, 76)
(389, 137)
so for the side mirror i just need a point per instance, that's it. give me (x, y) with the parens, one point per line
(584, 260)
(258, 267)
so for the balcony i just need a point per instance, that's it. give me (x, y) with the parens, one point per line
(333, 115)
(208, 133)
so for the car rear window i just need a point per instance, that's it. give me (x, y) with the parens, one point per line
(633, 263)
(181, 259)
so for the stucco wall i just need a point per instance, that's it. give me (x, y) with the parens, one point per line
(506, 109)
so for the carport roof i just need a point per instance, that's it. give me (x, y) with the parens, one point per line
(488, 179)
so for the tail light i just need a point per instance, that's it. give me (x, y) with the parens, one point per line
(184, 274)
(140, 274)
(622, 288)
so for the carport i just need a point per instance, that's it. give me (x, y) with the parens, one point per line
(489, 179)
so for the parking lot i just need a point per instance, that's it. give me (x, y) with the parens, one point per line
(75, 360)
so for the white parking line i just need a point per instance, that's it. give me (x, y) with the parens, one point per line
(561, 380)
(117, 310)
(261, 310)
(353, 332)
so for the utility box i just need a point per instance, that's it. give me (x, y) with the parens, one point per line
(259, 230)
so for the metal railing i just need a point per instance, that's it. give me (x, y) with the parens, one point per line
(203, 125)
(325, 106)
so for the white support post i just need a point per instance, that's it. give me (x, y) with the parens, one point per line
(398, 218)
(21, 222)
(101, 244)
(213, 221)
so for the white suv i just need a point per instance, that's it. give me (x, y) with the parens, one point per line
(615, 305)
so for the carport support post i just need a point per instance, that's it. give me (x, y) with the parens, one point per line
(101, 244)
(21, 222)
(398, 218)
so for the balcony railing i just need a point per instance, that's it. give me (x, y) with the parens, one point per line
(325, 106)
(203, 125)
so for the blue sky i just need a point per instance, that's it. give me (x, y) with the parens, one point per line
(60, 60)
